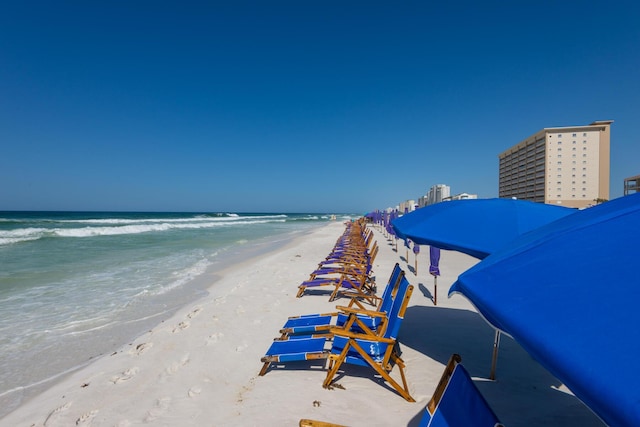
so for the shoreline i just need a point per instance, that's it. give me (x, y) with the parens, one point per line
(200, 366)
(136, 324)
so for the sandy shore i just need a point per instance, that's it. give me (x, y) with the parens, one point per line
(200, 368)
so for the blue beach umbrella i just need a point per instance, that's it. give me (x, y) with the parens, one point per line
(568, 293)
(434, 270)
(407, 245)
(476, 227)
(434, 261)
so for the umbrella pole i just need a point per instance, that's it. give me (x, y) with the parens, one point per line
(494, 359)
(416, 273)
(435, 290)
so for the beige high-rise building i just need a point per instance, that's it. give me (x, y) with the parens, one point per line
(567, 166)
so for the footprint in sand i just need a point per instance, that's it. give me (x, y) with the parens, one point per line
(125, 376)
(214, 338)
(141, 348)
(194, 313)
(242, 347)
(181, 326)
(175, 366)
(86, 418)
(194, 391)
(161, 408)
(55, 413)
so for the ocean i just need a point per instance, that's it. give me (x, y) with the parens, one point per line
(77, 285)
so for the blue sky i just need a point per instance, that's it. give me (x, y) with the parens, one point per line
(298, 106)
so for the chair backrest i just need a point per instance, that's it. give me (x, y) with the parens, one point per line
(398, 308)
(457, 402)
(391, 289)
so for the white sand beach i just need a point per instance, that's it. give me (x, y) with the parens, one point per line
(200, 368)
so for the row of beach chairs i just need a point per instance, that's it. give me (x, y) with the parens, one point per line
(350, 335)
(348, 267)
(354, 334)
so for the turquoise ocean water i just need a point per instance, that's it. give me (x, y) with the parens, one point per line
(75, 286)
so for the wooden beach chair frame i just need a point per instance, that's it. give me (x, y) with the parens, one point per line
(361, 343)
(480, 405)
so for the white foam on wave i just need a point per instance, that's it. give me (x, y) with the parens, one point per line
(8, 237)
(185, 275)
(203, 218)
(27, 234)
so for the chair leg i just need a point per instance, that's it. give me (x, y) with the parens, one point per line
(403, 391)
(265, 368)
(334, 365)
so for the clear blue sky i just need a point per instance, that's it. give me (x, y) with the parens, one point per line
(298, 106)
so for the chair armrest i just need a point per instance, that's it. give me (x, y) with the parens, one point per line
(357, 336)
(351, 310)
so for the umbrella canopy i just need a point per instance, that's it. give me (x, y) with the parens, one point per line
(568, 293)
(476, 227)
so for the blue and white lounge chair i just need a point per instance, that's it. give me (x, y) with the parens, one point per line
(457, 402)
(376, 349)
(321, 323)
(301, 347)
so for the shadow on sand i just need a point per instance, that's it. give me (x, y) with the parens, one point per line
(524, 393)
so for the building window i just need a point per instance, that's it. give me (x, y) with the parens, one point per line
(574, 135)
(559, 135)
(584, 134)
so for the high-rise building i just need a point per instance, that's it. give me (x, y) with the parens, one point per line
(567, 166)
(437, 193)
(632, 185)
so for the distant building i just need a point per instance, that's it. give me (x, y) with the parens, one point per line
(567, 166)
(632, 185)
(407, 206)
(461, 196)
(438, 193)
